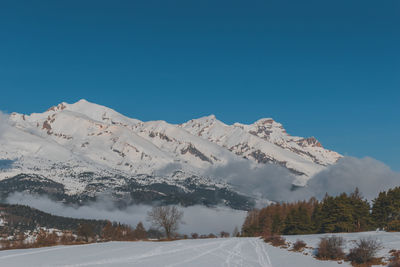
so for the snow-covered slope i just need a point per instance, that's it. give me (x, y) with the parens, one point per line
(265, 141)
(69, 140)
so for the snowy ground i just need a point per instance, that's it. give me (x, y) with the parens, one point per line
(201, 252)
(388, 240)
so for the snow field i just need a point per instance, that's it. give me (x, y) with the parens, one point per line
(245, 252)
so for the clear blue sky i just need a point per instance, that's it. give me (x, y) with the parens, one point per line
(329, 69)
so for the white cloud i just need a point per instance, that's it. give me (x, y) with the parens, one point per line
(275, 183)
(198, 219)
(369, 175)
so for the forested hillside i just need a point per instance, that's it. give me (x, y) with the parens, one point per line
(343, 213)
(22, 218)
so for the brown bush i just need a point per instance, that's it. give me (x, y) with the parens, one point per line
(224, 234)
(278, 240)
(46, 239)
(330, 248)
(67, 238)
(267, 236)
(195, 235)
(364, 251)
(211, 236)
(395, 259)
(274, 239)
(5, 244)
(299, 245)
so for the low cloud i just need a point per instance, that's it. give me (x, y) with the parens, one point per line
(274, 183)
(267, 181)
(198, 219)
(369, 175)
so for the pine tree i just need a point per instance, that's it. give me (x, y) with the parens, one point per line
(140, 231)
(360, 212)
(336, 214)
(386, 208)
(108, 231)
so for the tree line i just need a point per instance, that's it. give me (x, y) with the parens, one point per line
(333, 214)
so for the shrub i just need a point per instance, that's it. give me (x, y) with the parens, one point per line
(299, 245)
(275, 240)
(267, 236)
(278, 240)
(394, 263)
(395, 259)
(67, 238)
(330, 248)
(195, 235)
(211, 236)
(224, 234)
(364, 251)
(5, 244)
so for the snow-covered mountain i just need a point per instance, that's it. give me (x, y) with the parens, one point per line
(86, 149)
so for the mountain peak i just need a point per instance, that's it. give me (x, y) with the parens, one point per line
(211, 117)
(265, 121)
(83, 101)
(204, 120)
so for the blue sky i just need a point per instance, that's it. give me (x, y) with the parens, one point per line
(329, 69)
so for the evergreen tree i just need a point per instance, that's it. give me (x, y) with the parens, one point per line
(336, 214)
(298, 222)
(386, 208)
(108, 231)
(316, 218)
(140, 231)
(360, 211)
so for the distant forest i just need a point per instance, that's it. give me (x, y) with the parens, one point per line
(343, 213)
(23, 218)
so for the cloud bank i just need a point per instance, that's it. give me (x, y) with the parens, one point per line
(369, 175)
(198, 219)
(274, 183)
(267, 181)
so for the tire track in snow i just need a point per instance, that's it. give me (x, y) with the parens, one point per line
(135, 259)
(266, 253)
(236, 251)
(263, 258)
(209, 251)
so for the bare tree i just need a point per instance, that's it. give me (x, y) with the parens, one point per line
(235, 232)
(166, 217)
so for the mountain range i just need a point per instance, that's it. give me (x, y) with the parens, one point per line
(78, 152)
